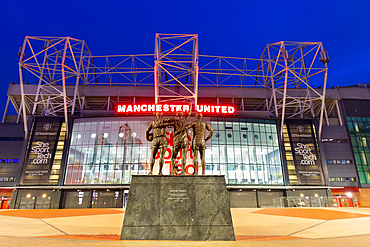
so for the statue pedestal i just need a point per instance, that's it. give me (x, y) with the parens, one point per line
(178, 208)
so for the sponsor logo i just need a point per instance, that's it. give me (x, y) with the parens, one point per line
(47, 126)
(42, 150)
(308, 157)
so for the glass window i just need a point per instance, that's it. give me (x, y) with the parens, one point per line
(237, 154)
(229, 138)
(250, 138)
(236, 136)
(109, 150)
(222, 137)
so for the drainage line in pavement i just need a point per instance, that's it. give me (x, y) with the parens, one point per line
(55, 227)
(307, 228)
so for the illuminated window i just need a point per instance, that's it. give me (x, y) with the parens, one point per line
(111, 150)
(360, 136)
(55, 169)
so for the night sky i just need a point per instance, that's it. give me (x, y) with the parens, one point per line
(225, 28)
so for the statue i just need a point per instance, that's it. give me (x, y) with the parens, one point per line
(158, 139)
(180, 141)
(199, 143)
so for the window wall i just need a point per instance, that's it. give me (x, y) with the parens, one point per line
(246, 151)
(111, 150)
(359, 131)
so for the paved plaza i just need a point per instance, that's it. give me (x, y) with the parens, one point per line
(253, 227)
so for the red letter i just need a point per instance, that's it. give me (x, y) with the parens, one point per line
(170, 138)
(121, 108)
(231, 109)
(129, 108)
(191, 153)
(224, 109)
(136, 108)
(207, 108)
(169, 151)
(166, 108)
(151, 108)
(217, 108)
(144, 107)
(185, 108)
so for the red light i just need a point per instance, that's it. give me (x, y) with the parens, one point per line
(173, 108)
(215, 109)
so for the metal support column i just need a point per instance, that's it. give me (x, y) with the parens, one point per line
(64, 85)
(284, 96)
(323, 98)
(77, 79)
(339, 114)
(6, 109)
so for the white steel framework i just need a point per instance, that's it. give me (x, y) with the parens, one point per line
(176, 66)
(295, 73)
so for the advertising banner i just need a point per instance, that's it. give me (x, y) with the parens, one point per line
(41, 150)
(305, 152)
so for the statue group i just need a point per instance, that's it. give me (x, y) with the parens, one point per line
(181, 141)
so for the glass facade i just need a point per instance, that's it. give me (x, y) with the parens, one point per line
(109, 150)
(359, 131)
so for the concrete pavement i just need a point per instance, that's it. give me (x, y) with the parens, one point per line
(252, 226)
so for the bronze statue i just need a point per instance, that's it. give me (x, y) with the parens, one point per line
(158, 139)
(199, 143)
(181, 140)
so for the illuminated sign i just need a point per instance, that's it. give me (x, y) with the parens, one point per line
(9, 160)
(306, 154)
(41, 150)
(173, 108)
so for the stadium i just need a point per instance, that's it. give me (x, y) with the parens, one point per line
(282, 138)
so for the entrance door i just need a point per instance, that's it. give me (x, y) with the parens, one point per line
(43, 203)
(77, 199)
(267, 198)
(243, 199)
(105, 199)
(27, 202)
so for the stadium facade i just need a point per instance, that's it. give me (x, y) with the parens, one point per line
(281, 137)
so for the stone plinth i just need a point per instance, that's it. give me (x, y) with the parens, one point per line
(178, 208)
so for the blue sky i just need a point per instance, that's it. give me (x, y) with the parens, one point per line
(227, 28)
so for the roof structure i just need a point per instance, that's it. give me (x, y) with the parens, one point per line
(59, 76)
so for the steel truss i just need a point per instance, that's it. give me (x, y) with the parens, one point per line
(289, 70)
(176, 66)
(291, 65)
